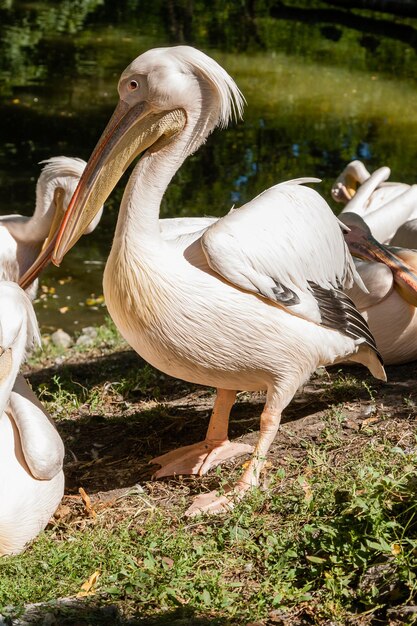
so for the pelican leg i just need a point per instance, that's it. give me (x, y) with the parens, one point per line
(200, 457)
(213, 502)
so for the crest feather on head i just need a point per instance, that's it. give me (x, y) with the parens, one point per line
(62, 166)
(231, 98)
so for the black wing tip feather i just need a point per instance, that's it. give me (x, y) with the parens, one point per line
(339, 312)
(284, 295)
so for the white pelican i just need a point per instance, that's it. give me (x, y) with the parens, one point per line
(31, 450)
(389, 208)
(390, 304)
(351, 180)
(253, 302)
(392, 320)
(21, 237)
(406, 235)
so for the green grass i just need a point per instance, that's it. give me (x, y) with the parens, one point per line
(333, 541)
(332, 91)
(108, 339)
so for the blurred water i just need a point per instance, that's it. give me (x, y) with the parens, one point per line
(318, 95)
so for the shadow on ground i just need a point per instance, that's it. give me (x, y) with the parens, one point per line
(109, 445)
(73, 612)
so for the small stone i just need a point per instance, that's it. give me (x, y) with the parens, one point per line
(84, 341)
(90, 331)
(87, 337)
(61, 339)
(368, 410)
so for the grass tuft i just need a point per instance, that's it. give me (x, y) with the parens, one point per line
(330, 537)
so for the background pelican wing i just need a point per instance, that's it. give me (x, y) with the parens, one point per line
(379, 281)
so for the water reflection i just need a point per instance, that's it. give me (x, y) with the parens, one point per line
(321, 90)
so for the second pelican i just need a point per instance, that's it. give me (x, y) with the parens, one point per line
(22, 237)
(31, 450)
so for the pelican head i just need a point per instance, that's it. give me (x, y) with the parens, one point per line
(54, 189)
(160, 96)
(165, 93)
(347, 183)
(363, 245)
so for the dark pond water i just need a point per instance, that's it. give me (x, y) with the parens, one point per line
(322, 85)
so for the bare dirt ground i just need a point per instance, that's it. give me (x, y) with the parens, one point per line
(109, 444)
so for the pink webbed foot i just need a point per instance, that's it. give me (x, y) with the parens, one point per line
(213, 503)
(198, 458)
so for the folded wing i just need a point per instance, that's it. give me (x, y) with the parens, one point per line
(287, 246)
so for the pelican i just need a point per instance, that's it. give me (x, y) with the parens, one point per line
(390, 285)
(252, 302)
(389, 306)
(21, 237)
(351, 180)
(31, 450)
(388, 208)
(406, 235)
(389, 302)
(391, 318)
(390, 294)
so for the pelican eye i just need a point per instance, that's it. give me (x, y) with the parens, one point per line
(133, 84)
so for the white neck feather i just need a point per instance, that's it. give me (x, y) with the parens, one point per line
(12, 360)
(34, 229)
(138, 220)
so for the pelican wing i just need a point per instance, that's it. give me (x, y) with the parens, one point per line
(174, 227)
(379, 281)
(9, 267)
(287, 246)
(181, 232)
(406, 235)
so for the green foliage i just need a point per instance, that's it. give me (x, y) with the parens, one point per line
(143, 381)
(107, 338)
(315, 101)
(59, 399)
(368, 523)
(342, 539)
